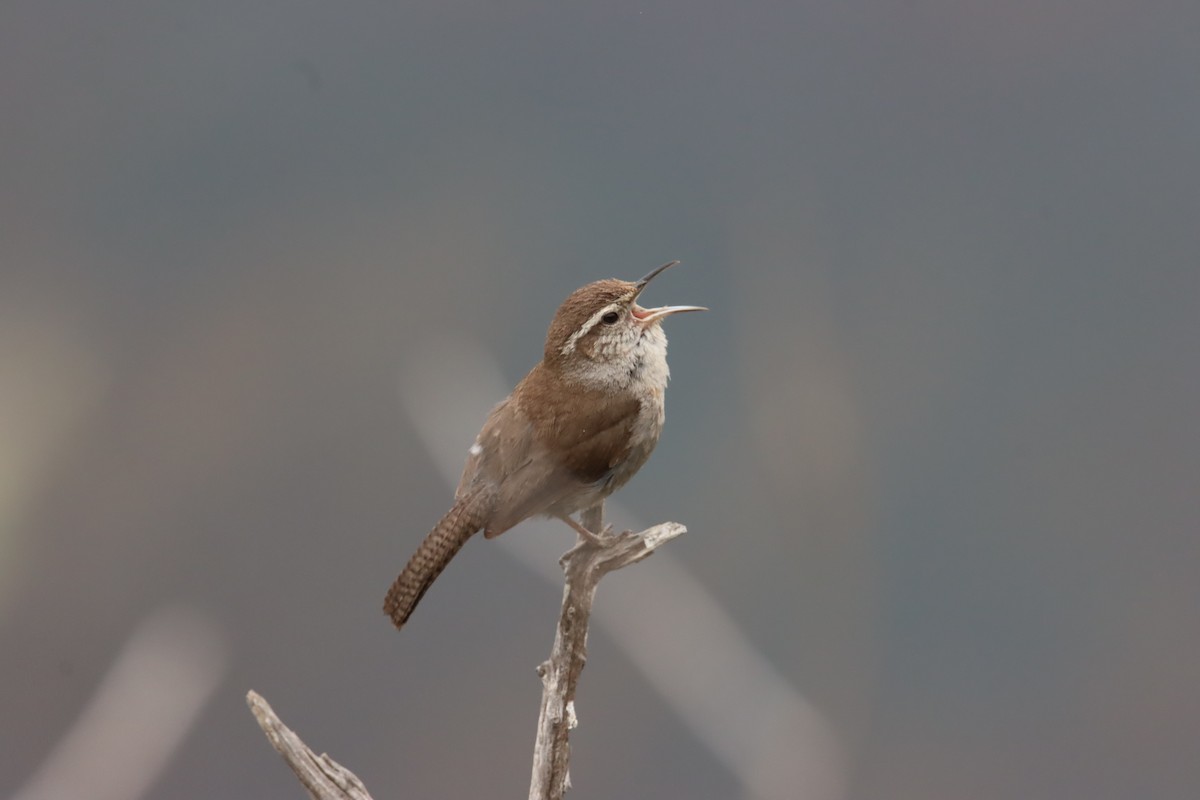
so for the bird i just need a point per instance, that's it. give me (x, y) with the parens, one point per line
(574, 430)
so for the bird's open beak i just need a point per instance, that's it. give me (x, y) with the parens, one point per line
(642, 283)
(648, 315)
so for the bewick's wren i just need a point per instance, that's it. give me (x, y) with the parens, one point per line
(572, 432)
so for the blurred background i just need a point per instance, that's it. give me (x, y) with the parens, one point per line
(936, 443)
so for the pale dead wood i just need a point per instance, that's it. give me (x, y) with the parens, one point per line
(584, 566)
(324, 778)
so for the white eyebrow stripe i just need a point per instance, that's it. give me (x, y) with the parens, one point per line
(569, 347)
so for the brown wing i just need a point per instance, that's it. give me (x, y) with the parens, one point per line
(570, 438)
(501, 449)
(594, 443)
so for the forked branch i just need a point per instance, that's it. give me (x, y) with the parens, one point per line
(584, 565)
(324, 778)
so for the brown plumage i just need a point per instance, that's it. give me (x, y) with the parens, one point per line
(463, 519)
(573, 431)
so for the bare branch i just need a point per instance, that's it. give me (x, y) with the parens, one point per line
(324, 778)
(584, 566)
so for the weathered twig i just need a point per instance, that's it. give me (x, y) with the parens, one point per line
(324, 778)
(584, 566)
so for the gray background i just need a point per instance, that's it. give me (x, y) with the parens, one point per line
(937, 443)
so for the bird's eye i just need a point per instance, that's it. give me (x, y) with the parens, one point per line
(610, 318)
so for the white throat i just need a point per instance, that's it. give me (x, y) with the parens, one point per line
(642, 368)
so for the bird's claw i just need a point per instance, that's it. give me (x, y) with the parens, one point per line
(598, 539)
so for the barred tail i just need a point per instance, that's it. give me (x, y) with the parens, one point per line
(461, 522)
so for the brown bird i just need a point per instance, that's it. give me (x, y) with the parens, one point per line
(572, 432)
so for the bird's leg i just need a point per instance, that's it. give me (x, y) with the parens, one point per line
(593, 538)
(593, 519)
(592, 528)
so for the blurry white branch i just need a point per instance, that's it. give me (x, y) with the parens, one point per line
(734, 700)
(139, 715)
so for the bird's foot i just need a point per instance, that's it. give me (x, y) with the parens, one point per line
(603, 538)
(598, 539)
